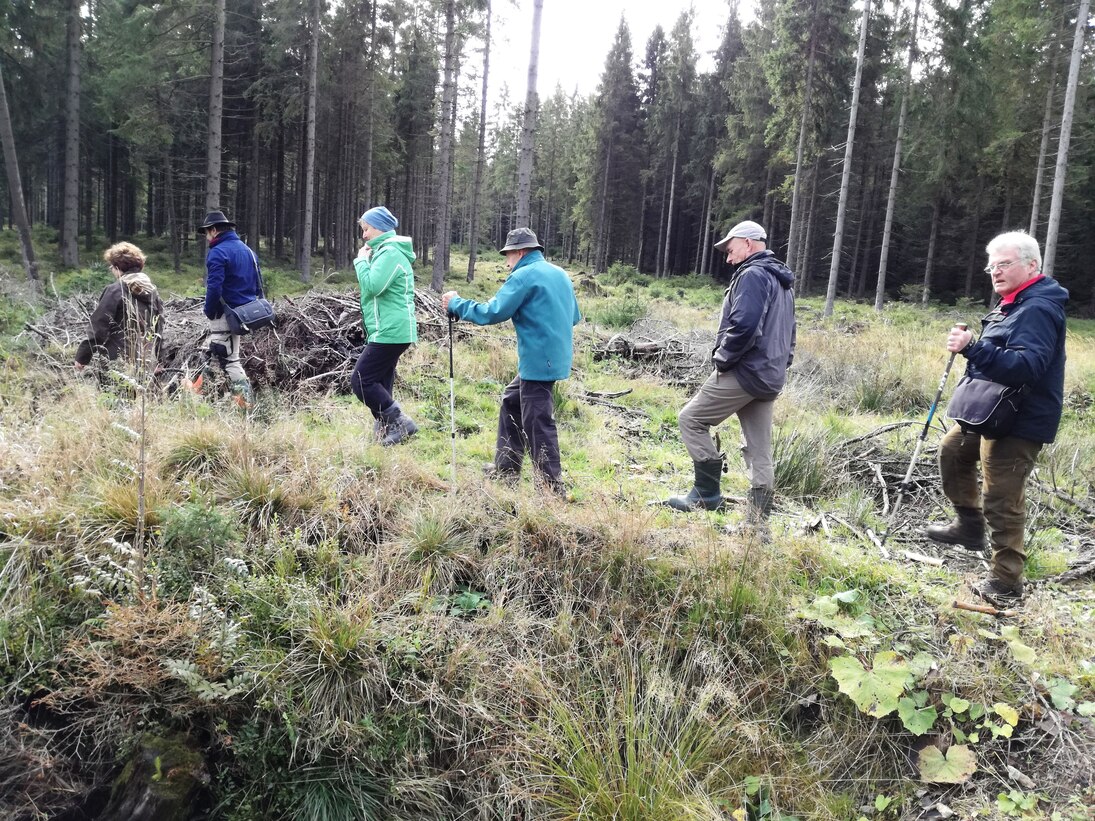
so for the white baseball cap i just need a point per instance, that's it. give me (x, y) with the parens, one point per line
(747, 229)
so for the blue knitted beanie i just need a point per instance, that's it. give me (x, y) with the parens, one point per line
(380, 218)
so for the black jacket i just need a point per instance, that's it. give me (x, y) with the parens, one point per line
(129, 313)
(756, 338)
(1023, 343)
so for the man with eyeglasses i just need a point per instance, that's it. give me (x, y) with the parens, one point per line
(1022, 344)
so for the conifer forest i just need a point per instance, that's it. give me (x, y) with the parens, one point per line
(881, 143)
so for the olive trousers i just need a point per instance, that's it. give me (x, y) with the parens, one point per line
(1005, 466)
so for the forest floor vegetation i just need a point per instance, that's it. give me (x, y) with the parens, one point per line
(342, 632)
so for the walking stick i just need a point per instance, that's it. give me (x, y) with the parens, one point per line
(452, 402)
(919, 444)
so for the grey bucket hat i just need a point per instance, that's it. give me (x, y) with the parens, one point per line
(520, 238)
(746, 229)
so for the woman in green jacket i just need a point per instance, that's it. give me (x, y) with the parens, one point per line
(386, 278)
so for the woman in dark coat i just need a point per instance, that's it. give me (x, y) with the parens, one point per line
(129, 317)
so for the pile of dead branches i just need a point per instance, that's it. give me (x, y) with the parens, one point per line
(312, 347)
(661, 350)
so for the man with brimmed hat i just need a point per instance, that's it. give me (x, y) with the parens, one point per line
(232, 278)
(753, 349)
(539, 298)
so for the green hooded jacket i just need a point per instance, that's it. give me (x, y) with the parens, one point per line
(387, 290)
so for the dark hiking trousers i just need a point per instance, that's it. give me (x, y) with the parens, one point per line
(526, 423)
(374, 375)
(1005, 465)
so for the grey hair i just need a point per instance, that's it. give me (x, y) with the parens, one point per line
(1020, 241)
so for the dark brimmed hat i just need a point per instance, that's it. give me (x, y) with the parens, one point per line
(214, 218)
(520, 238)
(746, 230)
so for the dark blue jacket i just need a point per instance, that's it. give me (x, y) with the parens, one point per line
(231, 274)
(757, 331)
(1024, 344)
(539, 298)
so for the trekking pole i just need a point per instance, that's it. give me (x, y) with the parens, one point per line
(919, 444)
(452, 402)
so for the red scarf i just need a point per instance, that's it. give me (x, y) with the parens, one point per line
(1010, 298)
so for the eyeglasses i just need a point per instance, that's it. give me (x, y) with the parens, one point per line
(1001, 265)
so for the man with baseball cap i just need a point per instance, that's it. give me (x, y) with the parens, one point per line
(539, 298)
(232, 278)
(753, 349)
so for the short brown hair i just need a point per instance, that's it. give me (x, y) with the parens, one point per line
(125, 256)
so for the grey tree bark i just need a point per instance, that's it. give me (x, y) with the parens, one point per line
(481, 155)
(891, 198)
(846, 175)
(216, 111)
(70, 255)
(304, 253)
(15, 186)
(1049, 253)
(443, 223)
(528, 128)
(1043, 146)
(796, 197)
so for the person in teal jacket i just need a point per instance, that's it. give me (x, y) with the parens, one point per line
(386, 278)
(539, 298)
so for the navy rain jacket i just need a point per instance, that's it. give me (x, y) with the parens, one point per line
(756, 338)
(1024, 344)
(231, 274)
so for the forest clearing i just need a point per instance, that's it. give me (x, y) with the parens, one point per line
(311, 626)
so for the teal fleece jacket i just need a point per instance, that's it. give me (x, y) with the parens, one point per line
(539, 298)
(387, 290)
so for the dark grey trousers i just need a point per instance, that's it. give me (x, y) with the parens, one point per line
(526, 423)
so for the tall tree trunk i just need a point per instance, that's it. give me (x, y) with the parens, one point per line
(1043, 146)
(800, 151)
(846, 175)
(480, 157)
(1050, 252)
(704, 266)
(216, 109)
(172, 215)
(443, 224)
(70, 255)
(370, 128)
(891, 198)
(528, 127)
(929, 264)
(15, 186)
(672, 196)
(971, 254)
(279, 193)
(308, 177)
(600, 251)
(805, 254)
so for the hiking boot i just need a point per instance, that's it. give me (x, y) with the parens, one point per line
(395, 426)
(241, 394)
(704, 494)
(998, 593)
(966, 530)
(754, 522)
(508, 477)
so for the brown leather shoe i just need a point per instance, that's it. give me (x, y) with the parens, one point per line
(998, 593)
(966, 530)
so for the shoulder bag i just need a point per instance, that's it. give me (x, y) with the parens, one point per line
(985, 407)
(250, 316)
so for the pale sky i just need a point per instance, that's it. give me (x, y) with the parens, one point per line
(576, 35)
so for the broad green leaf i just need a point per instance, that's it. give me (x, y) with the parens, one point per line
(1010, 632)
(1061, 690)
(988, 634)
(974, 738)
(823, 607)
(1022, 652)
(1006, 712)
(953, 768)
(959, 705)
(998, 730)
(874, 691)
(881, 802)
(835, 642)
(921, 664)
(848, 596)
(976, 711)
(1086, 708)
(752, 784)
(916, 720)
